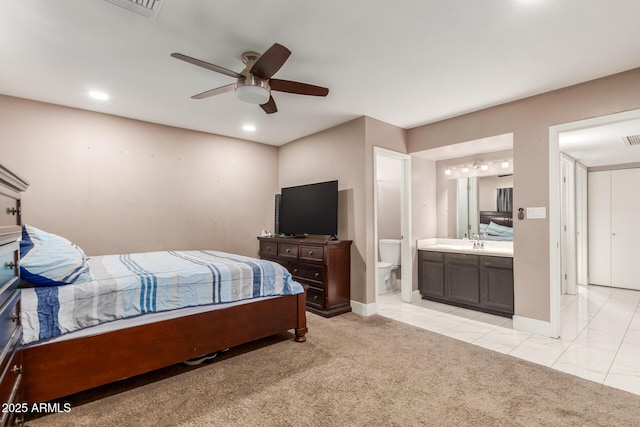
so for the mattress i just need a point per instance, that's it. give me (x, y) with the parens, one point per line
(136, 285)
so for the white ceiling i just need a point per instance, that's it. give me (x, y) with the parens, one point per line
(602, 145)
(407, 62)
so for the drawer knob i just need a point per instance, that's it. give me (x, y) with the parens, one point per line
(310, 253)
(13, 211)
(11, 265)
(268, 248)
(315, 297)
(317, 275)
(295, 271)
(14, 317)
(288, 250)
(17, 369)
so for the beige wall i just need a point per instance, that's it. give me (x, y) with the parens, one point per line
(345, 153)
(116, 185)
(423, 205)
(336, 153)
(389, 174)
(383, 135)
(529, 120)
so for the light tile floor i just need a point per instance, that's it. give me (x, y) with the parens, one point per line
(600, 338)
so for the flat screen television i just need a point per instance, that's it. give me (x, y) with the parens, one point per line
(309, 209)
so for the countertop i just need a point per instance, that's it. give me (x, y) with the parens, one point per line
(502, 249)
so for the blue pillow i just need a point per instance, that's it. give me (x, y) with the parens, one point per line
(499, 230)
(50, 260)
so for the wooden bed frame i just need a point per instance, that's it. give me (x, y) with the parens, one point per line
(500, 218)
(58, 369)
(62, 368)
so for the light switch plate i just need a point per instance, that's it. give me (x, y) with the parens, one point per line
(536, 213)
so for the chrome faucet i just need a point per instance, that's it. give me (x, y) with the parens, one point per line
(477, 241)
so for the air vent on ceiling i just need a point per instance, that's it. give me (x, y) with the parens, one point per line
(148, 8)
(631, 140)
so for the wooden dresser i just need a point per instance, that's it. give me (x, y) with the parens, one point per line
(323, 265)
(10, 330)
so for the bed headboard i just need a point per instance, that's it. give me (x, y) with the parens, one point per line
(500, 218)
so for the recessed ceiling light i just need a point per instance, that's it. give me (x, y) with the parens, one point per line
(249, 128)
(98, 95)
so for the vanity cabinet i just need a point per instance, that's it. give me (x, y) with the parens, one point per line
(478, 282)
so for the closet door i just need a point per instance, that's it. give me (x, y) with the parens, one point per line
(625, 228)
(599, 207)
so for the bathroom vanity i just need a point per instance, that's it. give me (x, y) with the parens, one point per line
(451, 271)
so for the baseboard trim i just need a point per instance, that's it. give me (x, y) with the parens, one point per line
(534, 326)
(363, 309)
(415, 296)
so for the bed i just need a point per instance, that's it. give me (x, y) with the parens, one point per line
(171, 318)
(496, 225)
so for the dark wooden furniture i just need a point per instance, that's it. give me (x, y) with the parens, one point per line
(61, 368)
(500, 218)
(323, 265)
(56, 369)
(477, 282)
(11, 371)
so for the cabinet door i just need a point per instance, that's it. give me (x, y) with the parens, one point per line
(625, 228)
(599, 208)
(462, 283)
(432, 278)
(497, 288)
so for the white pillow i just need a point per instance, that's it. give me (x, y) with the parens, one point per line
(50, 260)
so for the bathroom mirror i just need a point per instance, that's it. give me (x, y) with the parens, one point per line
(475, 202)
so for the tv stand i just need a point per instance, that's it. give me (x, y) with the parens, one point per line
(323, 265)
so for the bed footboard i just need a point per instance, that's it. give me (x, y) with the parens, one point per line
(62, 368)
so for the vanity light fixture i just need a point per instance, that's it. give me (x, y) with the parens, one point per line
(484, 167)
(478, 165)
(465, 169)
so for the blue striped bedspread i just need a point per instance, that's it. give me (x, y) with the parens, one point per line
(134, 284)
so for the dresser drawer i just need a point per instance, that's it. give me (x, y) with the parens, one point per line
(268, 248)
(315, 297)
(287, 250)
(10, 385)
(309, 272)
(9, 207)
(9, 318)
(311, 253)
(8, 269)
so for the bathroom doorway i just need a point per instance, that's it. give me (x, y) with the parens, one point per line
(392, 225)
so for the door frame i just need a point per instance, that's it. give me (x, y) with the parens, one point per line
(406, 265)
(568, 241)
(555, 321)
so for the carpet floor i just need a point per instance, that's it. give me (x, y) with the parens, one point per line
(353, 371)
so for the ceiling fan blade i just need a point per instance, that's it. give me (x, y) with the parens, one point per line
(270, 106)
(206, 65)
(297, 87)
(270, 62)
(216, 91)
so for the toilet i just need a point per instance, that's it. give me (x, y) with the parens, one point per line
(389, 250)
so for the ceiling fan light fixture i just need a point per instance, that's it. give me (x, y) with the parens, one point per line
(253, 94)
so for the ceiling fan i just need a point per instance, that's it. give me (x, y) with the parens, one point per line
(254, 84)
